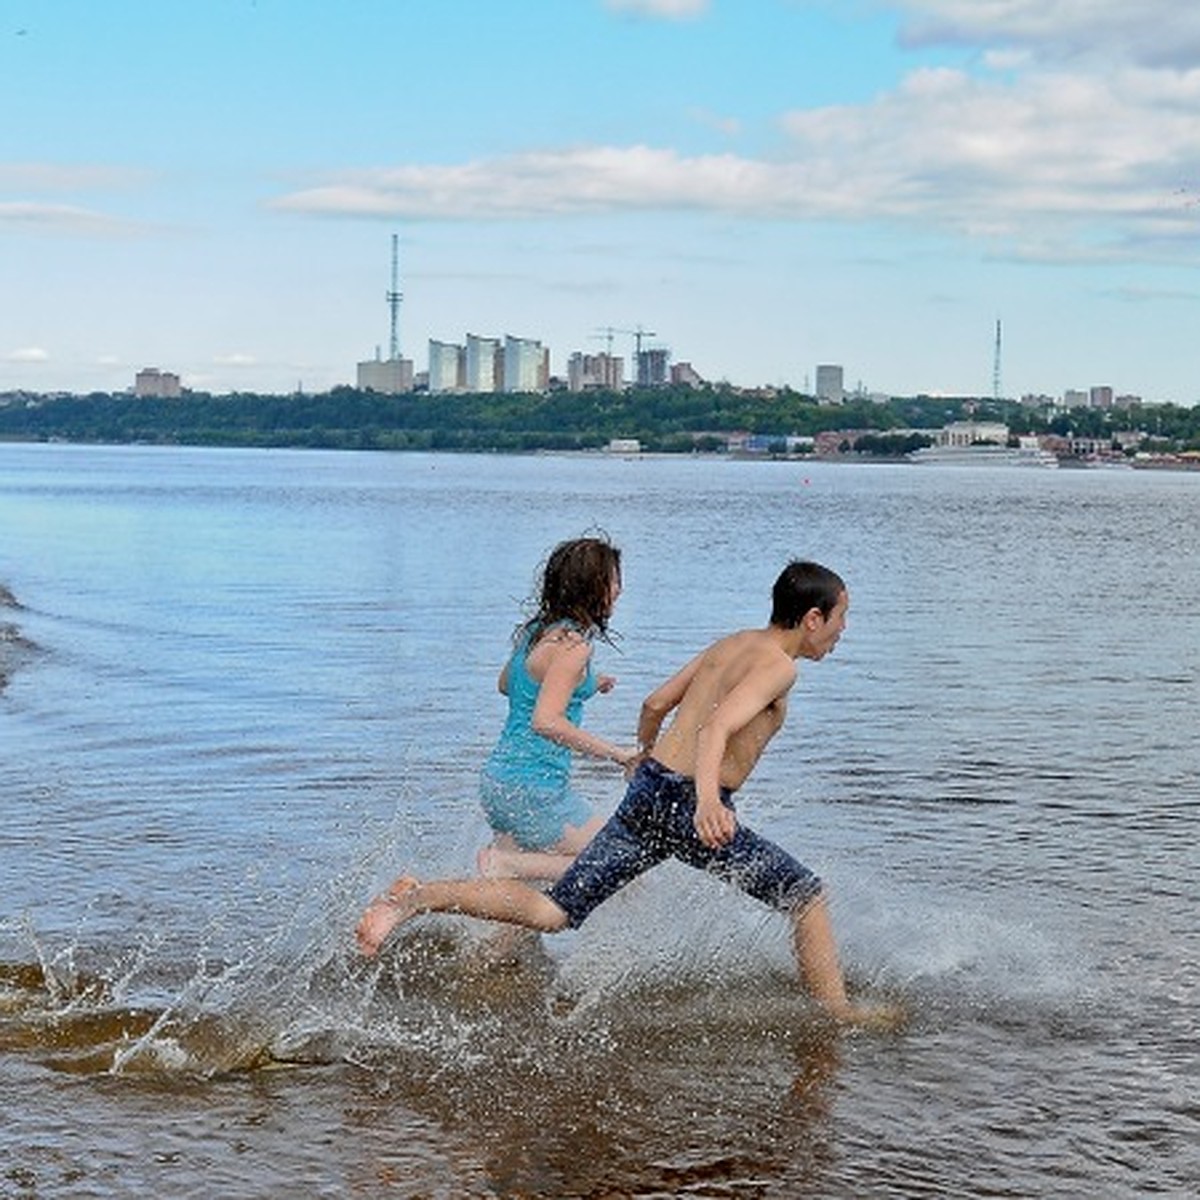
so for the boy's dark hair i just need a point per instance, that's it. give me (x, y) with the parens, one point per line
(802, 586)
(577, 585)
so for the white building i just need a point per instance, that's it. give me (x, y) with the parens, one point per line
(447, 367)
(484, 364)
(971, 433)
(526, 365)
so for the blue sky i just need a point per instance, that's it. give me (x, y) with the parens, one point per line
(211, 187)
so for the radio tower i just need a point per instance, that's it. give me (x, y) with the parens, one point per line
(996, 366)
(393, 299)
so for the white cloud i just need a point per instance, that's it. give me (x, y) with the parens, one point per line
(671, 10)
(588, 180)
(27, 354)
(1151, 32)
(55, 177)
(61, 218)
(1053, 165)
(235, 360)
(1071, 142)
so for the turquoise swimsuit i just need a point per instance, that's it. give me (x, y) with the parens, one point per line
(525, 784)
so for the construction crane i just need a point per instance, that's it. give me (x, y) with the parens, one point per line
(607, 332)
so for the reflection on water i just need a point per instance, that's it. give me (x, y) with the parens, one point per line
(238, 691)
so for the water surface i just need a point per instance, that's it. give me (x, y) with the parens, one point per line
(264, 682)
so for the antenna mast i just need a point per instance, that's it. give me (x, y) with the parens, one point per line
(996, 365)
(393, 299)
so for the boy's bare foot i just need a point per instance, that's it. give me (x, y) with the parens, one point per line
(384, 913)
(878, 1016)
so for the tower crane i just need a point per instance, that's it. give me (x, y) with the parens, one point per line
(607, 332)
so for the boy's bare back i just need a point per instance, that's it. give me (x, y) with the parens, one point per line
(740, 682)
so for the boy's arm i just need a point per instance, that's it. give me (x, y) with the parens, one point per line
(663, 700)
(714, 822)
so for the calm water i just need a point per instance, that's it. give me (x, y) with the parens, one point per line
(263, 683)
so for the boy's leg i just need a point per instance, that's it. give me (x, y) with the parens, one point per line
(821, 971)
(817, 957)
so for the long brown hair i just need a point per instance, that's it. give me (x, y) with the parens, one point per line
(576, 586)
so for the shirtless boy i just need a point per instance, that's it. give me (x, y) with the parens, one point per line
(728, 703)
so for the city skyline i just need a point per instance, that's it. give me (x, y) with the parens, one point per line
(768, 186)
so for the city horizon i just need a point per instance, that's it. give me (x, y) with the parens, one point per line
(884, 185)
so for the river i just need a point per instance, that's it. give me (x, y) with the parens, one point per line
(241, 689)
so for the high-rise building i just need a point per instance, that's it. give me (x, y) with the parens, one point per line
(831, 387)
(484, 364)
(150, 382)
(447, 367)
(526, 365)
(652, 367)
(588, 372)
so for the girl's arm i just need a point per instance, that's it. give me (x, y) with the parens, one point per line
(565, 661)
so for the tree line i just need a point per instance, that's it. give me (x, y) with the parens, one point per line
(671, 419)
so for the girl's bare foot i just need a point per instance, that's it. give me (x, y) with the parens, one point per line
(384, 913)
(492, 863)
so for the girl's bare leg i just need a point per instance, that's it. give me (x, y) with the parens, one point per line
(505, 859)
(506, 900)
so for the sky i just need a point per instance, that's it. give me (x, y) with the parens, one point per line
(211, 187)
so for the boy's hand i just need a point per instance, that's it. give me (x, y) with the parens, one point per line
(715, 824)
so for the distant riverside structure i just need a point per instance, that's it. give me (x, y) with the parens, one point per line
(484, 364)
(393, 375)
(447, 367)
(526, 365)
(387, 376)
(972, 433)
(150, 382)
(652, 367)
(685, 373)
(831, 387)
(594, 372)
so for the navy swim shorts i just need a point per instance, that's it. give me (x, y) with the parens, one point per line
(656, 821)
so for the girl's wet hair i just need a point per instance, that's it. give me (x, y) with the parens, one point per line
(576, 585)
(802, 586)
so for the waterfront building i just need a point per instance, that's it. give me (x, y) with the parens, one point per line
(387, 376)
(652, 367)
(447, 367)
(973, 433)
(484, 364)
(151, 383)
(590, 372)
(684, 373)
(526, 365)
(831, 388)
